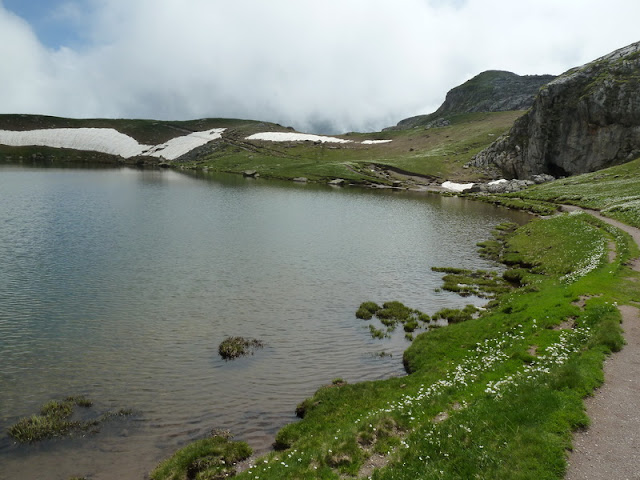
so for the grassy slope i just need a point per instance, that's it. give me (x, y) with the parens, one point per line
(437, 152)
(615, 191)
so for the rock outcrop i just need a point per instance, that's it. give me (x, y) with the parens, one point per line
(585, 120)
(490, 91)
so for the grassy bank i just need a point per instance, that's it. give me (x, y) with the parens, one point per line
(487, 398)
(614, 191)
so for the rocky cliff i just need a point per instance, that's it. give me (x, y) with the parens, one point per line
(585, 120)
(491, 91)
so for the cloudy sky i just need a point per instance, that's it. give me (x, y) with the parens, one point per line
(322, 65)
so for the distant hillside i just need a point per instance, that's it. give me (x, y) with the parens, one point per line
(490, 91)
(585, 120)
(130, 141)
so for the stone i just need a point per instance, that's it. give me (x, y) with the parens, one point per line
(250, 174)
(338, 182)
(542, 178)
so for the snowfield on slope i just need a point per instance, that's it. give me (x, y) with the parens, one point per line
(294, 137)
(107, 140)
(302, 137)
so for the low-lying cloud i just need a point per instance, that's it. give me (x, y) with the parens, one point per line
(325, 67)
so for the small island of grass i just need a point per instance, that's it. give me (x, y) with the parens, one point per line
(234, 347)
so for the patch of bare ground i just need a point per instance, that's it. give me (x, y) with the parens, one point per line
(568, 324)
(374, 461)
(610, 447)
(582, 301)
(612, 252)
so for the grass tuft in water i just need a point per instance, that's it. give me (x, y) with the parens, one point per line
(234, 347)
(54, 421)
(367, 310)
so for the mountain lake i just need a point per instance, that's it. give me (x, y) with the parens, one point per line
(119, 284)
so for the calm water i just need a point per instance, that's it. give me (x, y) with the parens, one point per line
(120, 284)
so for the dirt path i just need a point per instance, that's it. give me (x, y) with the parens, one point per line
(610, 447)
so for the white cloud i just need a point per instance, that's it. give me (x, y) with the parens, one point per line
(331, 65)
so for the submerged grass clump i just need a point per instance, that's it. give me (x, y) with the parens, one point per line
(390, 315)
(453, 315)
(367, 310)
(234, 347)
(480, 283)
(55, 420)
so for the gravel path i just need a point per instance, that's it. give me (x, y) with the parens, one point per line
(610, 448)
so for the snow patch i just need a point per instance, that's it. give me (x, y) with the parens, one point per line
(294, 137)
(107, 140)
(457, 187)
(498, 182)
(374, 142)
(178, 146)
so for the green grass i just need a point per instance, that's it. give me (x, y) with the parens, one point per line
(533, 206)
(436, 152)
(486, 398)
(211, 458)
(615, 191)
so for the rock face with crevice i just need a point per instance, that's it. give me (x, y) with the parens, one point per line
(584, 120)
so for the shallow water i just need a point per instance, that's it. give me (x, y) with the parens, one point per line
(119, 284)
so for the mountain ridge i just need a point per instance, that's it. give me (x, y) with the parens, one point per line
(489, 91)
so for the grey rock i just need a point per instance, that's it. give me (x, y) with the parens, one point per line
(477, 188)
(250, 173)
(301, 179)
(585, 120)
(337, 182)
(542, 178)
